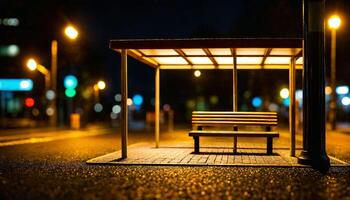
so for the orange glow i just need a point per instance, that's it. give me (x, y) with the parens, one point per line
(170, 60)
(71, 32)
(200, 60)
(328, 90)
(250, 51)
(299, 61)
(284, 51)
(159, 52)
(220, 52)
(224, 60)
(249, 60)
(277, 60)
(194, 52)
(32, 64)
(334, 22)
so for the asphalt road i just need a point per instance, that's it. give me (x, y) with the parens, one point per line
(56, 170)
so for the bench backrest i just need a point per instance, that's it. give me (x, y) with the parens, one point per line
(211, 118)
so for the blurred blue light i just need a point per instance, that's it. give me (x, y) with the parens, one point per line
(70, 82)
(343, 89)
(257, 102)
(286, 102)
(137, 100)
(16, 84)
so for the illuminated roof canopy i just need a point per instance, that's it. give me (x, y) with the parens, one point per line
(251, 53)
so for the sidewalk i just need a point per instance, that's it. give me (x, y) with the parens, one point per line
(177, 149)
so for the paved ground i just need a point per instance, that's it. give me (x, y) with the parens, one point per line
(57, 170)
(146, 154)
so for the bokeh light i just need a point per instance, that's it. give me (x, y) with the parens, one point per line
(116, 109)
(71, 32)
(70, 82)
(197, 73)
(29, 102)
(343, 89)
(98, 107)
(345, 101)
(334, 22)
(32, 64)
(257, 102)
(101, 85)
(70, 92)
(137, 99)
(284, 93)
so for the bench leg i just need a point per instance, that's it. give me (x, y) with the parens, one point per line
(234, 144)
(269, 145)
(196, 144)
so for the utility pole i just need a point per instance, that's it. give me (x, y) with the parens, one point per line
(314, 140)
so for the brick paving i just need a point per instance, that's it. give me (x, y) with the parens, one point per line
(145, 154)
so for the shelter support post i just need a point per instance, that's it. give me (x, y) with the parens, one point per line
(124, 104)
(314, 152)
(157, 104)
(292, 106)
(234, 98)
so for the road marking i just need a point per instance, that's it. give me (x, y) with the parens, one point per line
(338, 160)
(70, 135)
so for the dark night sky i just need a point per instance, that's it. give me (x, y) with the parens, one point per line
(100, 21)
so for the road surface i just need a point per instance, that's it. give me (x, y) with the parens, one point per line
(55, 168)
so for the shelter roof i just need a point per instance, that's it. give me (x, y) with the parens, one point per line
(214, 53)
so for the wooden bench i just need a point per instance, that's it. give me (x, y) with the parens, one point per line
(201, 119)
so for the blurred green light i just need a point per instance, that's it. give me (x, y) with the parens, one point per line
(70, 93)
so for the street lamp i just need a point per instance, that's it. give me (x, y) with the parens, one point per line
(51, 78)
(100, 85)
(33, 65)
(72, 34)
(333, 23)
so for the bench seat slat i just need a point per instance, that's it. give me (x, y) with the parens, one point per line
(237, 116)
(232, 119)
(215, 123)
(234, 133)
(234, 113)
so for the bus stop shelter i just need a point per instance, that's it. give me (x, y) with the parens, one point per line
(231, 54)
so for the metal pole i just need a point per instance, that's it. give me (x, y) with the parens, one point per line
(124, 104)
(47, 81)
(157, 104)
(314, 148)
(53, 118)
(234, 75)
(292, 106)
(333, 100)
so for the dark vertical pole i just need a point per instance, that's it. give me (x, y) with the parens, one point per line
(124, 104)
(314, 152)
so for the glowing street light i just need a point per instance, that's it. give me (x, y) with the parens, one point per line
(334, 22)
(32, 64)
(71, 32)
(100, 85)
